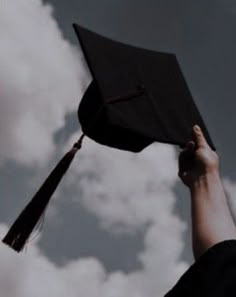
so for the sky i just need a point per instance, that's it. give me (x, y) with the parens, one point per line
(126, 234)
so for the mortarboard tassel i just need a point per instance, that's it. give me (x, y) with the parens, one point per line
(22, 228)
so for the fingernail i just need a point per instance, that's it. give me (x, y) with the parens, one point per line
(197, 128)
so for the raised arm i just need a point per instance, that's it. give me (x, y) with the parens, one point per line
(211, 218)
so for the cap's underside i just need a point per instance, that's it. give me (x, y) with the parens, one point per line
(95, 123)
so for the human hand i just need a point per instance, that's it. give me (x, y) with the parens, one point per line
(197, 159)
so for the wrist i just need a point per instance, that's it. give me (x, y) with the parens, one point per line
(206, 180)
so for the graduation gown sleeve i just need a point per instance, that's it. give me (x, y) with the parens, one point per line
(213, 274)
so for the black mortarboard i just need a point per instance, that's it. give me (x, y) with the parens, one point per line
(136, 97)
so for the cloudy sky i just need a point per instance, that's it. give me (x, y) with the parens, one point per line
(106, 233)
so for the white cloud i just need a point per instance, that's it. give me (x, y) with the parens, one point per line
(40, 80)
(126, 188)
(140, 194)
(32, 274)
(127, 192)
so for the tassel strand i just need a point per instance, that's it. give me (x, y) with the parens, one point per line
(26, 222)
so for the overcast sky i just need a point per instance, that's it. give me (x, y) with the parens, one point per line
(126, 238)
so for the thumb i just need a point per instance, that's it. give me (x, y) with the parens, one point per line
(199, 137)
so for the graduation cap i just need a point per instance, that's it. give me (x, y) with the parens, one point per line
(136, 97)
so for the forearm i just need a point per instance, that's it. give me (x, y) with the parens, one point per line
(211, 218)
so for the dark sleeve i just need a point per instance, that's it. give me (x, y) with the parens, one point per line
(212, 275)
